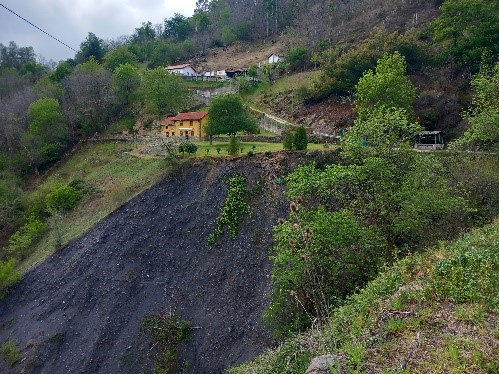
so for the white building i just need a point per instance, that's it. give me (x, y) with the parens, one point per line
(273, 58)
(185, 70)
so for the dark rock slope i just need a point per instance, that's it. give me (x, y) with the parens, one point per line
(80, 311)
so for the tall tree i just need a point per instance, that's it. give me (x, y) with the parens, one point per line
(177, 28)
(470, 28)
(483, 116)
(47, 135)
(164, 93)
(126, 84)
(119, 56)
(227, 115)
(88, 103)
(92, 46)
(383, 104)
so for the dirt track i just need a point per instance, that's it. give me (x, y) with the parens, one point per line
(81, 310)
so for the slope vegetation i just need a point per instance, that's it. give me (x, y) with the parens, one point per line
(433, 312)
(82, 309)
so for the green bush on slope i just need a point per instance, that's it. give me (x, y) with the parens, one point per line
(443, 300)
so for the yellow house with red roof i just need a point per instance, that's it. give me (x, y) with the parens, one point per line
(187, 125)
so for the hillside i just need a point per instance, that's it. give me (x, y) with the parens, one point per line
(432, 312)
(81, 310)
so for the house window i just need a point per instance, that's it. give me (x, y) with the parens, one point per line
(167, 134)
(192, 133)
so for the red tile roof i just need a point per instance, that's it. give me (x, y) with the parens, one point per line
(168, 120)
(190, 116)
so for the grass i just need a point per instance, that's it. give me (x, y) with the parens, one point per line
(437, 311)
(112, 177)
(204, 147)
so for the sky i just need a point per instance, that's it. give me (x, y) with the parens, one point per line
(71, 20)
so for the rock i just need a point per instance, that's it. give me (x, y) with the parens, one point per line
(321, 364)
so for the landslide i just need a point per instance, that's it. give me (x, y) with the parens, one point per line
(81, 310)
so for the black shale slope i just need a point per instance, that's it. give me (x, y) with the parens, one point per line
(80, 311)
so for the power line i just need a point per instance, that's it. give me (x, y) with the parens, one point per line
(24, 19)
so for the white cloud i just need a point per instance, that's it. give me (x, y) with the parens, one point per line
(71, 21)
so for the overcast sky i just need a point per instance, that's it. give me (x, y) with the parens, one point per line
(71, 20)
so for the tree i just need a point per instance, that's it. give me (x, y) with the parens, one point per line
(227, 115)
(126, 83)
(164, 93)
(387, 86)
(469, 28)
(288, 139)
(297, 58)
(92, 46)
(88, 102)
(300, 141)
(119, 56)
(253, 72)
(47, 135)
(383, 103)
(177, 28)
(483, 116)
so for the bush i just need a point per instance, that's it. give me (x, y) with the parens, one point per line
(63, 197)
(188, 147)
(26, 236)
(10, 352)
(167, 333)
(319, 258)
(234, 144)
(234, 208)
(300, 141)
(288, 139)
(8, 275)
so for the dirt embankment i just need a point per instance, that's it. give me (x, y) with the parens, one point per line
(81, 310)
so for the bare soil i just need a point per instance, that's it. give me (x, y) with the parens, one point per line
(81, 310)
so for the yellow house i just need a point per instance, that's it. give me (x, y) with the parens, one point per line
(190, 124)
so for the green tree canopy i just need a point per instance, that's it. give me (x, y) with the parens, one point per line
(92, 46)
(227, 115)
(469, 28)
(383, 103)
(46, 135)
(164, 93)
(119, 56)
(483, 117)
(177, 27)
(387, 86)
(126, 83)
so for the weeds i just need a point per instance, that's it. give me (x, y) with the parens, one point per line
(167, 333)
(10, 352)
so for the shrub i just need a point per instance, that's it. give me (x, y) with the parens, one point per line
(10, 352)
(188, 147)
(234, 208)
(167, 333)
(300, 141)
(26, 236)
(8, 275)
(319, 258)
(63, 197)
(288, 139)
(234, 144)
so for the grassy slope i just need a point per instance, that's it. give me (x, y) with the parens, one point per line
(112, 177)
(437, 310)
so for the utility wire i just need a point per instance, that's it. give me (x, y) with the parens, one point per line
(24, 19)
